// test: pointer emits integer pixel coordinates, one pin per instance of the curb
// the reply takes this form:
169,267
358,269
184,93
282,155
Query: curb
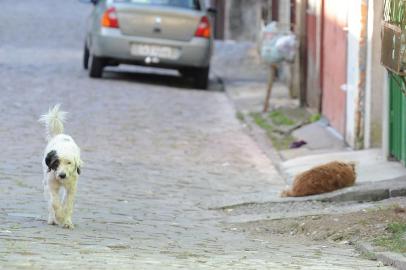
259,136
364,192
387,258
368,191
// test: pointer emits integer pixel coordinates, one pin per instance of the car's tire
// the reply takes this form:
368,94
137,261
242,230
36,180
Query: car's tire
96,66
201,77
85,57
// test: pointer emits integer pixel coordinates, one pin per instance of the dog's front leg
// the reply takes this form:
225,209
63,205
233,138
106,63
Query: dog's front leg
68,205
56,214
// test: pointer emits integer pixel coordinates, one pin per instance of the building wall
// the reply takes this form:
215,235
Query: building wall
353,75
377,77
284,15
244,20
333,62
357,73
299,66
365,83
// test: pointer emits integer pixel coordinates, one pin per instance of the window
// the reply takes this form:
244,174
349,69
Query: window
189,4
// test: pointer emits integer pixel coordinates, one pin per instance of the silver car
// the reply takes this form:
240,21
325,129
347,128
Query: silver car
173,34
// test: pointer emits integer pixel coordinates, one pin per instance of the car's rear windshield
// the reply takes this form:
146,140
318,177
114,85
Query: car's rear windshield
189,4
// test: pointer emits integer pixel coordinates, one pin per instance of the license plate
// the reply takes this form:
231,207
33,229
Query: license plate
155,51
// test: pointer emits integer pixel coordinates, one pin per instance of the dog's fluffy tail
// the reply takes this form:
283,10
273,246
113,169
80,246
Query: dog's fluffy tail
53,121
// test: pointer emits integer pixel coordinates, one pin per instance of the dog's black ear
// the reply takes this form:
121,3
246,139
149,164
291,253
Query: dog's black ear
79,164
52,160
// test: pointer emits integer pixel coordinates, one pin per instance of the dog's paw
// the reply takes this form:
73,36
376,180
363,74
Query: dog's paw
69,226
52,222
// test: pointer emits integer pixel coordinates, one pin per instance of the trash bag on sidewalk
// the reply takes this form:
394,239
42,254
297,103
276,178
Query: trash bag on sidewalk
277,46
286,47
270,30
269,52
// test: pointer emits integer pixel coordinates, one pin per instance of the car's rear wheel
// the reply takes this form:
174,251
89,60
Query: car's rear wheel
96,66
85,57
201,77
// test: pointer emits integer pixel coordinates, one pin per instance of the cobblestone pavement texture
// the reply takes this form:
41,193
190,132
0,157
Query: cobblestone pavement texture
155,157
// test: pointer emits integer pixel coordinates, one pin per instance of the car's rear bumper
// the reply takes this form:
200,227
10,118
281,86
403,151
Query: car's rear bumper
110,43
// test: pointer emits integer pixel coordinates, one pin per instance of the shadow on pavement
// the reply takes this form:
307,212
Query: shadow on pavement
169,78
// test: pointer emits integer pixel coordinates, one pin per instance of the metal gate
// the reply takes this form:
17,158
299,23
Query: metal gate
393,58
397,126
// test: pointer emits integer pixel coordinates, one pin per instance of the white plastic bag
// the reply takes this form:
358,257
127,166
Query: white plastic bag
269,53
286,46
277,46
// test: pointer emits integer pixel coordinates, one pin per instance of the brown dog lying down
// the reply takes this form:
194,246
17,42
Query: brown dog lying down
324,178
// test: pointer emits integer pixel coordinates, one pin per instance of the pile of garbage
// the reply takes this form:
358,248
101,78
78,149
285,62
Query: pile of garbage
277,46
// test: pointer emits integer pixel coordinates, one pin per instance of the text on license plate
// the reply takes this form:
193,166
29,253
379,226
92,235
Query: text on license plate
155,50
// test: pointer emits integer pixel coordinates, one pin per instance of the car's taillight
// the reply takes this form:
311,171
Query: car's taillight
203,29
109,18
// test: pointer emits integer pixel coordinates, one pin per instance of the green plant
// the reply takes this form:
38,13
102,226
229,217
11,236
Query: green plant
397,228
394,12
396,240
368,255
260,121
279,141
240,116
279,118
314,118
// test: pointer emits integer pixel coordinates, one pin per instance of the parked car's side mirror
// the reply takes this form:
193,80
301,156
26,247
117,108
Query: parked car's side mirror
94,2
212,10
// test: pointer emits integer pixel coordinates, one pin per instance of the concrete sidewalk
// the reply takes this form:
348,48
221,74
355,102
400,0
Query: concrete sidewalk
245,79
371,165
377,178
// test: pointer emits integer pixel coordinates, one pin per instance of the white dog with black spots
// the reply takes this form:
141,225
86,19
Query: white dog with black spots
62,166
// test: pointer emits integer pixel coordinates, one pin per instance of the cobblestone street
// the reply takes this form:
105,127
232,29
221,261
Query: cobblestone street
156,158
